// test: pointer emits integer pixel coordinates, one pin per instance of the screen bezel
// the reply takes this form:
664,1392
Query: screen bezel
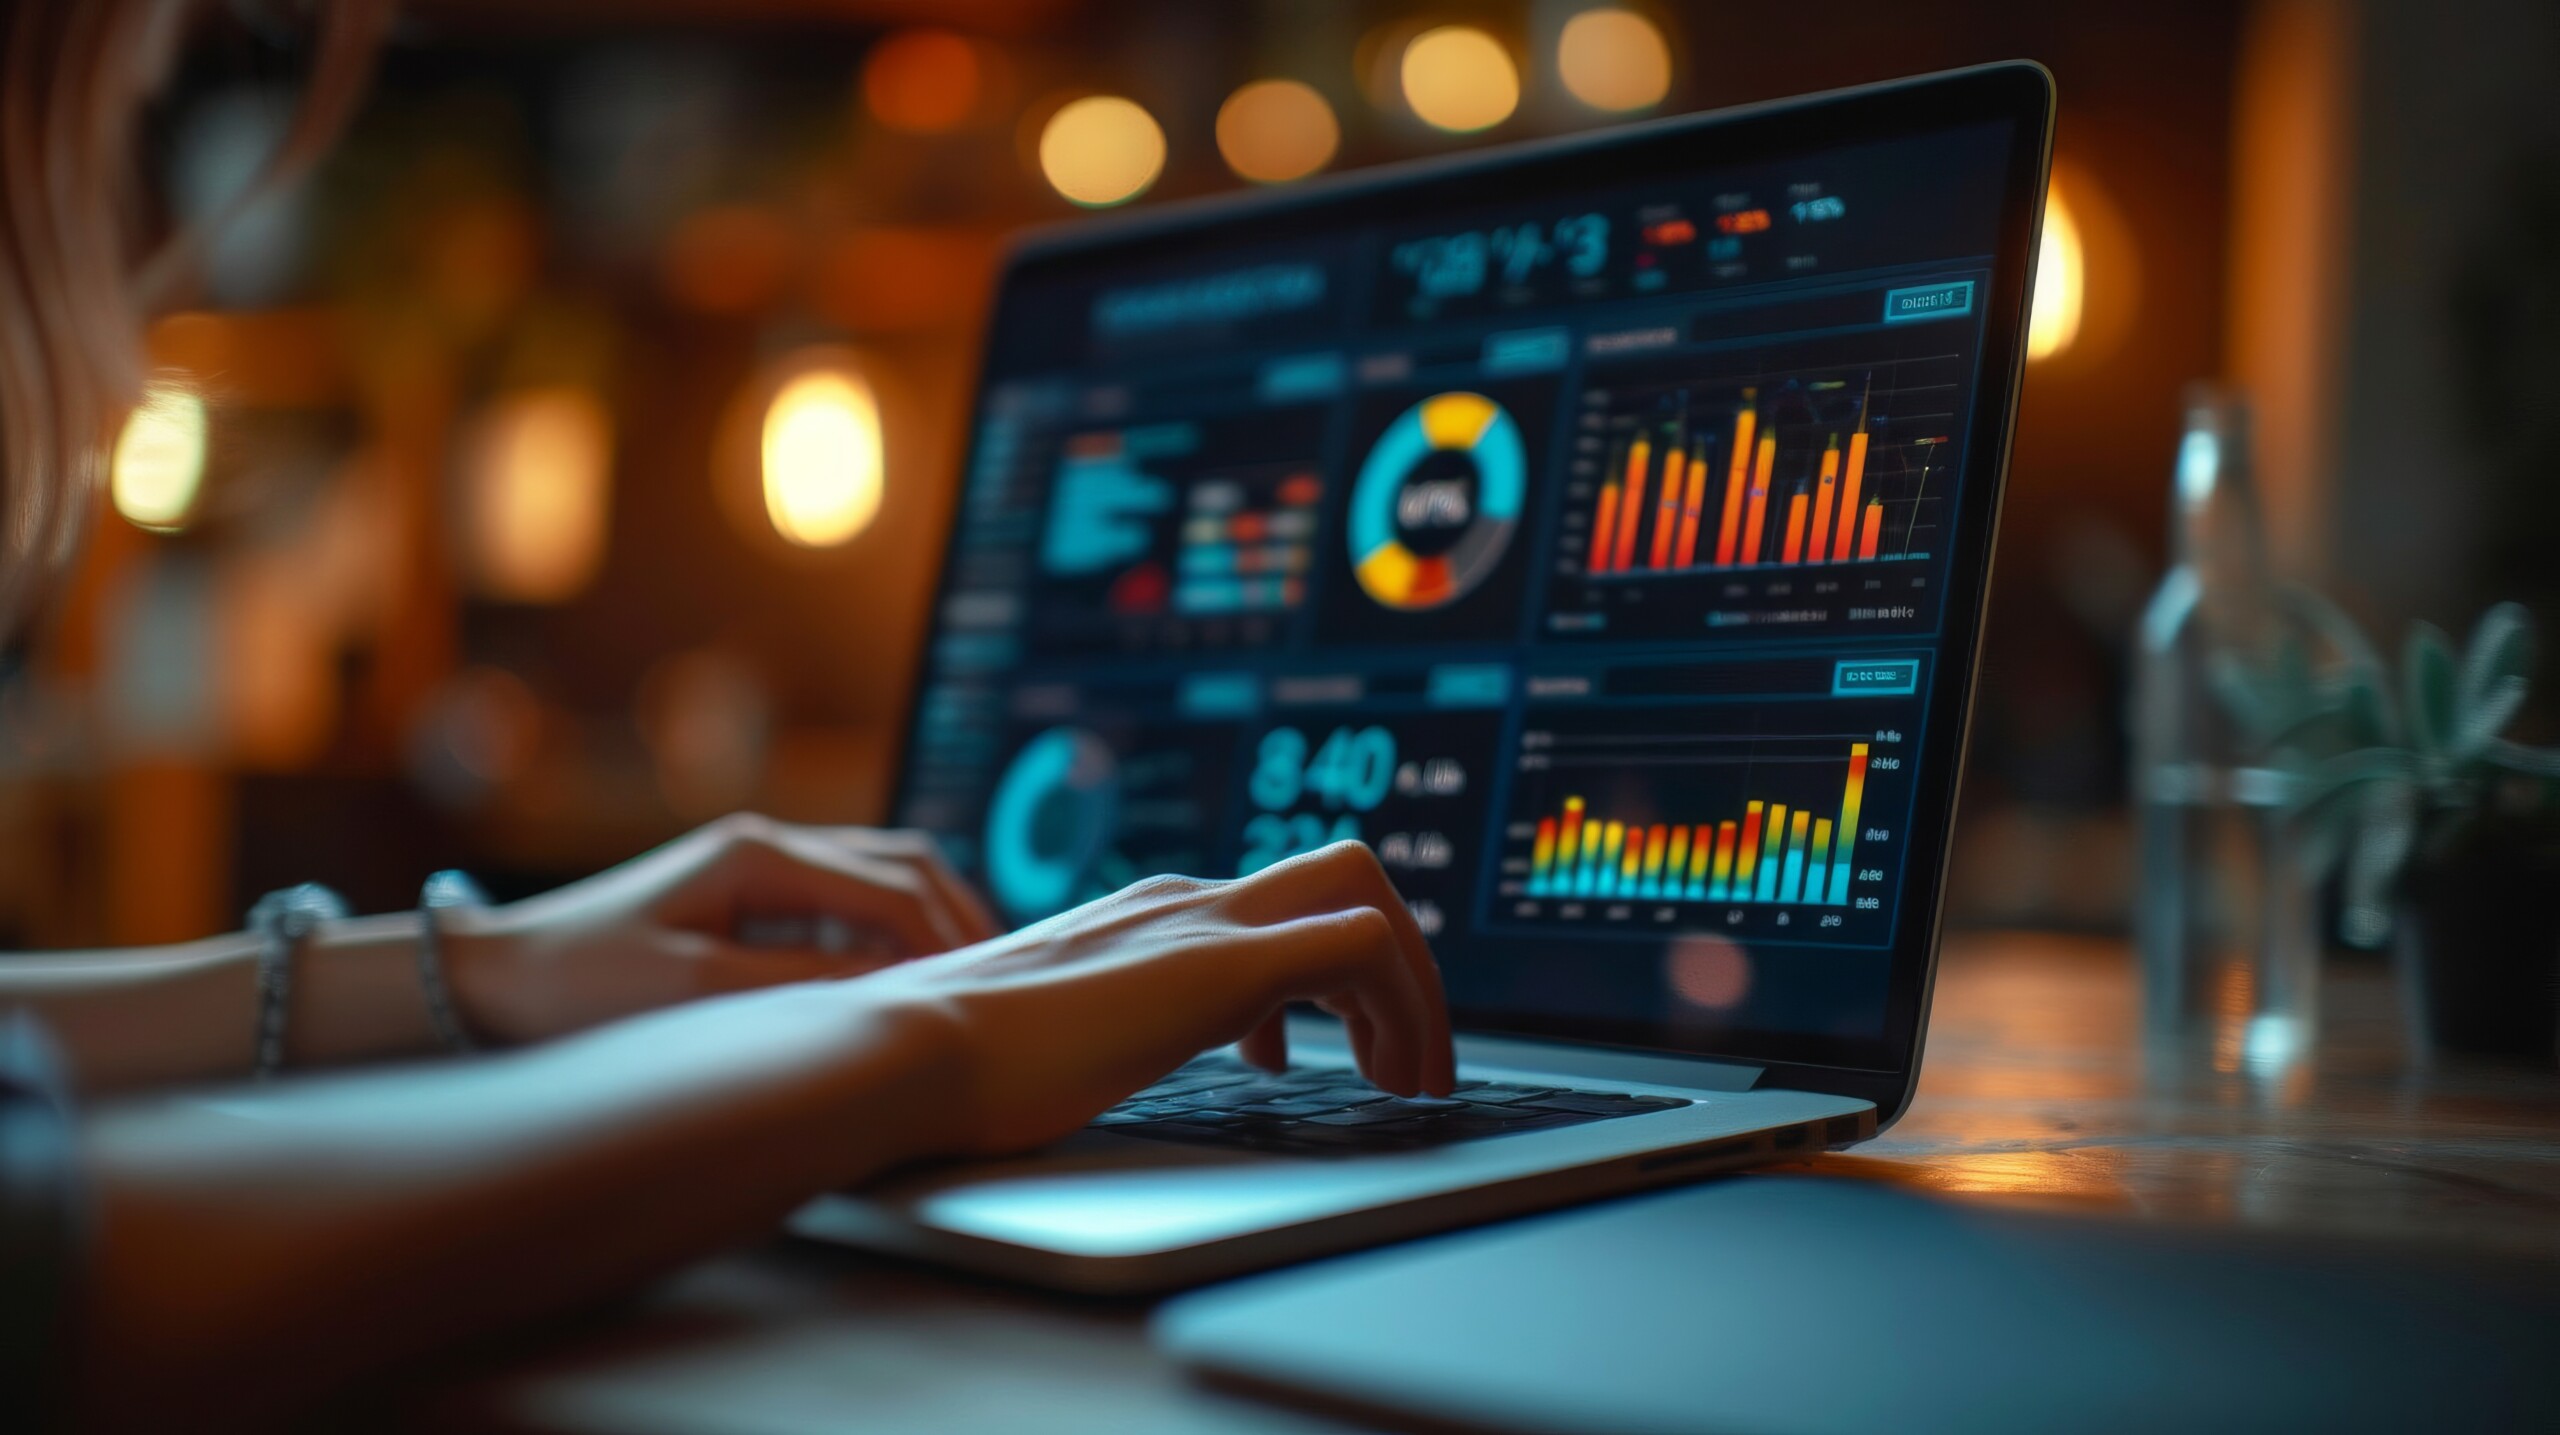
2020,92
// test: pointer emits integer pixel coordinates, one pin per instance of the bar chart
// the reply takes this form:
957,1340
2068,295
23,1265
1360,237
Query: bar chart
1798,471
1757,819
1651,515
1768,853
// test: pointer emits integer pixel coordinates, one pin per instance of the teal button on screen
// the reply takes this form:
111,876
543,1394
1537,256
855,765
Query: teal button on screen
1928,301
1871,678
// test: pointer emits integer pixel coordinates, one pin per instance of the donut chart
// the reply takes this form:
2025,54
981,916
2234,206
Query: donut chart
1387,501
1051,822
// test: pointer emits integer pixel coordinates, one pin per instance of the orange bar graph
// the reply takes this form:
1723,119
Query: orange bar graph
1871,530
1723,871
1631,505
1666,508
1604,525
1673,859
1850,482
1543,851
1793,552
1747,856
1569,842
1818,543
1656,840
1693,506
1756,510
1729,531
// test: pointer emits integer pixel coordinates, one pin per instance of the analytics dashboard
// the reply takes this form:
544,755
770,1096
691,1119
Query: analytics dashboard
1585,554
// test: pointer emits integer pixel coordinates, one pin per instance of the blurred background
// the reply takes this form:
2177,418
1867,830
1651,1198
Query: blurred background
562,464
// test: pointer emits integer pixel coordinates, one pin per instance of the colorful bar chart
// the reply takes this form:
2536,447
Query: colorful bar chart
1768,854
1802,471
1651,509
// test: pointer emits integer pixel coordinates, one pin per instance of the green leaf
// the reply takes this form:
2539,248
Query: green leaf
2365,710
2292,677
2355,652
2495,672
2428,674
2355,769
2516,757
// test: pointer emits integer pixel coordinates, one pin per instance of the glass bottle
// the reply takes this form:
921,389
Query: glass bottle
2224,918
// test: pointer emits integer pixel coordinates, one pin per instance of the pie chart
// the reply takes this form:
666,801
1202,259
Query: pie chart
1051,822
1436,501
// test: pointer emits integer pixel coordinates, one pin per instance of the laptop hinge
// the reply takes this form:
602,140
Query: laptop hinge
1566,1057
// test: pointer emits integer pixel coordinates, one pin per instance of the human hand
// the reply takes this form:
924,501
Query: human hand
1060,1020
665,926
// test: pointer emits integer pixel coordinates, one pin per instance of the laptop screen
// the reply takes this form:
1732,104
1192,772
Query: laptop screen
1597,533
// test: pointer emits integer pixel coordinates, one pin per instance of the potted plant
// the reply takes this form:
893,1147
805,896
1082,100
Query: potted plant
2439,828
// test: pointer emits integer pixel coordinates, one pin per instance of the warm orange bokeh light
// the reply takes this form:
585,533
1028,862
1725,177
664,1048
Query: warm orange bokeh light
159,459
537,472
2053,316
1459,78
822,457
1613,59
1272,131
1101,150
923,81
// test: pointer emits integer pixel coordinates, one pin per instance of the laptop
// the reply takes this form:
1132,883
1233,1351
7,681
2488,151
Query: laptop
1598,529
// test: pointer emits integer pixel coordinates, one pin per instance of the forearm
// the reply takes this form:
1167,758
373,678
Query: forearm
162,1015
256,1250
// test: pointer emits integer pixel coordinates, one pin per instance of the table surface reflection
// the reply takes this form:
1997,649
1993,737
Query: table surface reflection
2033,1091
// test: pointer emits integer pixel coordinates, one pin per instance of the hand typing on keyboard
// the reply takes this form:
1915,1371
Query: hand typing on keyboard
1058,1020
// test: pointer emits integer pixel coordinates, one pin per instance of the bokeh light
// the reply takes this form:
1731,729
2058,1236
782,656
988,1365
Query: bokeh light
537,473
1273,131
158,465
1613,59
1101,150
1458,78
923,81
2054,315
822,457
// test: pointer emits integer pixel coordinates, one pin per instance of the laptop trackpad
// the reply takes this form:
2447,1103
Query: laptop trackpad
1806,1305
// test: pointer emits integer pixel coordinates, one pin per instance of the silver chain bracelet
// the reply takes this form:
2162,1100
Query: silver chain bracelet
443,890
282,921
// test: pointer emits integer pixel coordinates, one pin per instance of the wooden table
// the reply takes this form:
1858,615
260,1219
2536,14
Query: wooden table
2034,1090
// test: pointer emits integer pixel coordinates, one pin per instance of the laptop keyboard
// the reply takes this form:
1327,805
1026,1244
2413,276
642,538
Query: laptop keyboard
1221,1101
